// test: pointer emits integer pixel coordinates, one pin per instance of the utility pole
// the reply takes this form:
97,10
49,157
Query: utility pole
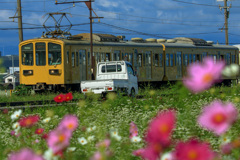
20,30
89,5
226,16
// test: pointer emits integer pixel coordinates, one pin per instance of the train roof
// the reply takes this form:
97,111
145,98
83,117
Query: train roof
111,40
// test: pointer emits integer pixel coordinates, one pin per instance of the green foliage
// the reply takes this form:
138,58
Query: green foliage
22,90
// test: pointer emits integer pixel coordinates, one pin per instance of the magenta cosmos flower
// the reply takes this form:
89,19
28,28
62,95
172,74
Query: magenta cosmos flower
193,150
151,152
69,122
218,117
58,139
25,154
160,129
202,76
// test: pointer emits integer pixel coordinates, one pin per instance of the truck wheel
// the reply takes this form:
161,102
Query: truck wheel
132,94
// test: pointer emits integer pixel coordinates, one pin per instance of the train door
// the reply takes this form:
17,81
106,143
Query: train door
179,64
148,65
82,65
108,57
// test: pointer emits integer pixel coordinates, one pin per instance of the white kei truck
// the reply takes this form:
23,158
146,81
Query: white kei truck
112,76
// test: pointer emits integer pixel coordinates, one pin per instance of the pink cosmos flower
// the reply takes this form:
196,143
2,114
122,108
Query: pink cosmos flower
28,121
58,139
104,144
97,156
160,129
193,150
151,152
69,122
203,76
25,154
133,130
218,117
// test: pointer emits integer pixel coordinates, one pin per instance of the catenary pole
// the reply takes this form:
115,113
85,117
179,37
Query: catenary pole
20,30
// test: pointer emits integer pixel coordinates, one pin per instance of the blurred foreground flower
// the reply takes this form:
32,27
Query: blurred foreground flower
70,122
218,117
231,70
29,121
202,76
25,154
133,130
193,150
16,114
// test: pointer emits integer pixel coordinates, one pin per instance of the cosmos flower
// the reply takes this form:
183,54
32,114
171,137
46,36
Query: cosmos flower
58,139
231,70
29,121
193,150
135,139
91,138
151,152
49,155
68,97
69,122
16,114
25,154
59,98
105,144
46,120
71,149
16,126
82,141
218,117
167,156
90,129
97,156
133,130
39,130
114,134
202,76
160,128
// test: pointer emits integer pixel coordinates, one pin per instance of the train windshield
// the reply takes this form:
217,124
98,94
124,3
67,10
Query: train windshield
40,54
54,54
27,54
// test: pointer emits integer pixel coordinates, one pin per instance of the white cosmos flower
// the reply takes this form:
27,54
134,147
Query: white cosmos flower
16,125
167,156
46,120
90,129
16,114
48,155
135,139
91,138
232,70
71,149
82,140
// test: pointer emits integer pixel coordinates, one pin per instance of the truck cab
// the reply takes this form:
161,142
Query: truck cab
112,76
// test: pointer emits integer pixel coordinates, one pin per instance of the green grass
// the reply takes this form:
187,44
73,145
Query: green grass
117,112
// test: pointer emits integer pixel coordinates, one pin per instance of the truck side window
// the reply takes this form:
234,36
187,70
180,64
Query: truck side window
129,69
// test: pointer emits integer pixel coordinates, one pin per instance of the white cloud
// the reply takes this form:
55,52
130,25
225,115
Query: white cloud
108,3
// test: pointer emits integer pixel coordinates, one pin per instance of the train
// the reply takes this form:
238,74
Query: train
52,63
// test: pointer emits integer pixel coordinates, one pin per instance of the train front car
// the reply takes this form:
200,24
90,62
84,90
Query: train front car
41,64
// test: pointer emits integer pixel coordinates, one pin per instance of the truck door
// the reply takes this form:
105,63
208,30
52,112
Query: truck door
132,78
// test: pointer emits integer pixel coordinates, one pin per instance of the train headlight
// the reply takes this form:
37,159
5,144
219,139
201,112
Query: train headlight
55,71
27,72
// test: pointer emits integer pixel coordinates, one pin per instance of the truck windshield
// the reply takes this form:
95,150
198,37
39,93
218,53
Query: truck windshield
111,68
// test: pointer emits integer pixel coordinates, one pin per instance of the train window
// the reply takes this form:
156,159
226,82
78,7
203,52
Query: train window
228,58
198,58
204,54
77,60
185,59
155,60
144,57
139,60
82,58
233,59
67,57
171,60
54,54
97,57
116,56
111,68
27,54
160,59
148,58
131,58
102,57
73,59
167,60
89,58
190,58
214,59
108,57
125,57
40,54
193,58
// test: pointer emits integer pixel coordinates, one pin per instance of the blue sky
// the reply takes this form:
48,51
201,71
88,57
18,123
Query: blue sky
132,18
